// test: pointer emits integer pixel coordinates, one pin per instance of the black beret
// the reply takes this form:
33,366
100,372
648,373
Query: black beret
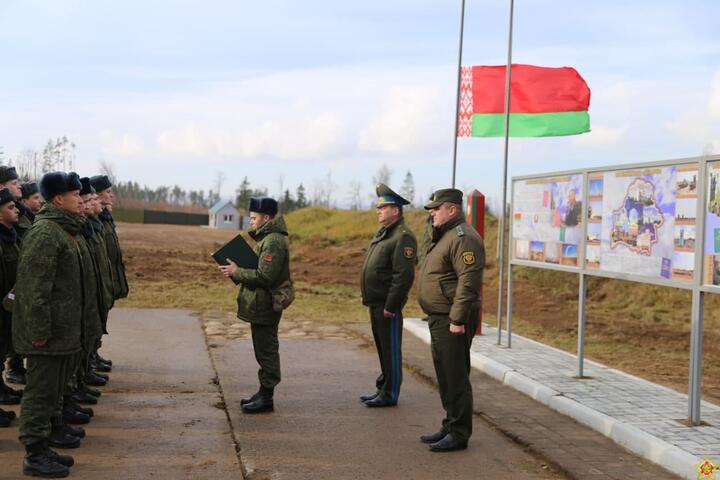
56,183
265,205
7,174
87,188
100,182
29,189
6,196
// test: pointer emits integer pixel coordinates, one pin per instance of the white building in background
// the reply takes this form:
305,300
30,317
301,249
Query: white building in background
224,215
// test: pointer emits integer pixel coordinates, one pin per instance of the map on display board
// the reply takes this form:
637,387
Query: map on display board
642,222
547,219
712,225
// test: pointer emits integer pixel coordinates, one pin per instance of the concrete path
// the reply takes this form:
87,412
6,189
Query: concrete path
320,430
639,415
158,416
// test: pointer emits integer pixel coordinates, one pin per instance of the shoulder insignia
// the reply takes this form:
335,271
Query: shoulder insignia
409,252
268,258
459,231
468,258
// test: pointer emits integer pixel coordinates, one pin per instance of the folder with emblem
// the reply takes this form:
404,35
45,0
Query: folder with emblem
239,252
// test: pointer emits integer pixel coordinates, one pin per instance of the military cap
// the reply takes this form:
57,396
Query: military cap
56,183
7,174
6,196
445,195
386,196
29,189
265,205
87,188
100,182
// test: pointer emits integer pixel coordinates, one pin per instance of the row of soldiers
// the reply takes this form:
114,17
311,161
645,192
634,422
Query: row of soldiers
61,270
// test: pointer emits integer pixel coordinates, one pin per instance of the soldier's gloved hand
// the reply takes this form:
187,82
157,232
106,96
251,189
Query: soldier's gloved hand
388,314
457,329
39,343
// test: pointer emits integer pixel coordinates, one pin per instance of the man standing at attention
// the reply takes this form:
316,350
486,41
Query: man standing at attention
449,293
387,275
47,317
255,301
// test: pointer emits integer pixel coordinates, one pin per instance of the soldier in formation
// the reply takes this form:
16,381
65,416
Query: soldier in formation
60,274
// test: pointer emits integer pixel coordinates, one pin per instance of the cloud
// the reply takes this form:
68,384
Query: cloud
702,124
601,136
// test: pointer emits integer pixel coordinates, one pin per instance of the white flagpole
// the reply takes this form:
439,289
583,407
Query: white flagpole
457,99
503,206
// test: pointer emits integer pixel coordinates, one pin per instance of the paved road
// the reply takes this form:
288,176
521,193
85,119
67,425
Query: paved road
163,417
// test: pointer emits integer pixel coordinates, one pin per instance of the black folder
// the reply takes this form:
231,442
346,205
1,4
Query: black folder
239,252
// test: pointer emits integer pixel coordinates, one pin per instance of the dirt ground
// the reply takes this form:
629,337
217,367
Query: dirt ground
170,266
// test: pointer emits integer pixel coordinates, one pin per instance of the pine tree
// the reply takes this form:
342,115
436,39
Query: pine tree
408,188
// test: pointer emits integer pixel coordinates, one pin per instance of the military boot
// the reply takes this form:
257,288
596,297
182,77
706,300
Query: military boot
5,421
16,371
263,403
9,396
64,428
74,417
39,462
70,404
101,375
103,360
101,367
83,397
254,397
59,438
9,414
93,380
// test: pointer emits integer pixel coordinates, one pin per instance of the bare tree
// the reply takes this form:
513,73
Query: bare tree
408,188
219,180
383,175
26,162
107,168
356,202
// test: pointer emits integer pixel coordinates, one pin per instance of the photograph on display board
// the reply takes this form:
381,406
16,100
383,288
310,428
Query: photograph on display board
595,187
683,265
569,255
686,211
547,211
686,182
639,234
684,239
594,231
553,252
712,225
522,250
592,256
595,211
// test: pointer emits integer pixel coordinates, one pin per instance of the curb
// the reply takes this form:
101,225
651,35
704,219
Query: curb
658,451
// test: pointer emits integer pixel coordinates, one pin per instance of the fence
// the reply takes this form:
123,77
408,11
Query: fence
154,216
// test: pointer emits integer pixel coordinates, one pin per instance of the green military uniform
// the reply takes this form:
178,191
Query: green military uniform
255,299
25,219
48,306
99,250
449,293
120,284
387,275
425,241
9,256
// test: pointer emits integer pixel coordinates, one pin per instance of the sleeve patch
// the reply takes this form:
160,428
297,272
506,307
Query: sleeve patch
268,258
409,252
468,258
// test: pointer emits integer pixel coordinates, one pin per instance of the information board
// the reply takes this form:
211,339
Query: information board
712,225
547,219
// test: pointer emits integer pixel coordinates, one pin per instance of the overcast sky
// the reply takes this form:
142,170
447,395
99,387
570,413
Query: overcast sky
173,92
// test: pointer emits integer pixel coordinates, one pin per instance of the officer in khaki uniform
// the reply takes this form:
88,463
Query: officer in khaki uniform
387,275
449,293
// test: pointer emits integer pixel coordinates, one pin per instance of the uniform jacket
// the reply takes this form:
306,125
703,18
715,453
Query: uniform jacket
98,248
49,287
120,284
254,301
451,275
92,295
9,256
389,268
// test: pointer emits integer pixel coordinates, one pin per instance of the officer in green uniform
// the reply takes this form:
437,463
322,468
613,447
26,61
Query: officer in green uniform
258,301
47,317
9,255
9,179
449,293
387,275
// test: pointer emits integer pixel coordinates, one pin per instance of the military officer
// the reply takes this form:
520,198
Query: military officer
9,255
47,318
449,293
387,275
256,304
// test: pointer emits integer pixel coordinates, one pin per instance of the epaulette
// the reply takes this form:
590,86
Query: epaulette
459,231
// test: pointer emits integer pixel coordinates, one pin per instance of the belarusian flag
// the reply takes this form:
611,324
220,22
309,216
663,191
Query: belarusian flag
544,102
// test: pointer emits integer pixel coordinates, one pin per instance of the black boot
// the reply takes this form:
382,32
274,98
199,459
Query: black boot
92,391
101,375
9,396
101,367
365,398
60,438
263,403
83,397
4,421
103,360
66,460
16,371
39,462
75,418
93,380
254,397
70,404
73,430
7,414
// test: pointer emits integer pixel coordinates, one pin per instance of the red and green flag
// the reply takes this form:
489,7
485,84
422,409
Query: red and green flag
544,102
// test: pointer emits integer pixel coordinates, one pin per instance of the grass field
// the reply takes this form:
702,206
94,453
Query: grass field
641,329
